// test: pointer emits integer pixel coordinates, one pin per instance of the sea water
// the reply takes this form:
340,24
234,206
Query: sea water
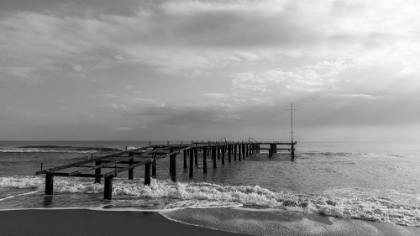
316,194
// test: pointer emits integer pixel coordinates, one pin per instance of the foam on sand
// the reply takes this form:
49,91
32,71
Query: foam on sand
279,223
179,195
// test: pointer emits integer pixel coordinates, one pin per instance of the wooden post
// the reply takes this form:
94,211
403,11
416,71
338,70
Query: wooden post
130,171
191,163
204,160
273,150
173,167
275,147
147,177
293,151
239,152
196,156
108,188
49,184
234,152
214,157
170,161
245,151
229,152
218,152
223,154
97,172
185,159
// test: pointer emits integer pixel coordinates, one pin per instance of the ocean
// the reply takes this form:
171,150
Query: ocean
331,188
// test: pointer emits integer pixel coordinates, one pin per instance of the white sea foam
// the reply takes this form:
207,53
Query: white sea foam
22,194
21,182
279,223
42,150
207,195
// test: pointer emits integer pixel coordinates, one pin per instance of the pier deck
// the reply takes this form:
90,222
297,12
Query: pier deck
109,166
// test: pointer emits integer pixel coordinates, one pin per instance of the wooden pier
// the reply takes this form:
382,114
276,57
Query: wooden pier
149,156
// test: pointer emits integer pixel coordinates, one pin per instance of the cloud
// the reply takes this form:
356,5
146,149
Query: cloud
191,37
130,87
107,95
276,83
113,108
78,68
216,95
123,129
365,96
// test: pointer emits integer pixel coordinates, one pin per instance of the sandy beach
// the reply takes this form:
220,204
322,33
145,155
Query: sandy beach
92,223
69,222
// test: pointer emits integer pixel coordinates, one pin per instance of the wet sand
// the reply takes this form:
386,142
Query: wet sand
95,223
78,222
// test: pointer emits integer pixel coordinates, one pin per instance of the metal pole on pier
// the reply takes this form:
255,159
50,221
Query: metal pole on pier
291,110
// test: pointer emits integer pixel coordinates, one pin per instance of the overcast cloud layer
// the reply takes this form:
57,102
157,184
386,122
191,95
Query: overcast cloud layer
184,70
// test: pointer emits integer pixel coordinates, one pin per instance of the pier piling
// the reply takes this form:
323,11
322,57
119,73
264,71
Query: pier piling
115,163
196,156
131,171
49,184
204,160
108,188
97,173
214,157
191,175
173,167
222,149
185,160
147,175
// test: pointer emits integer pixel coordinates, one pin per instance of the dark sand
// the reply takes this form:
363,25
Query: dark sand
95,223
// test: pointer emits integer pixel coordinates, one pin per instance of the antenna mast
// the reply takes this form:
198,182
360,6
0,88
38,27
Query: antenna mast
291,121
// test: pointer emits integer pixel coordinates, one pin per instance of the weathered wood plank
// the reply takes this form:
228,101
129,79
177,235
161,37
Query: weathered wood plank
84,162
112,173
98,166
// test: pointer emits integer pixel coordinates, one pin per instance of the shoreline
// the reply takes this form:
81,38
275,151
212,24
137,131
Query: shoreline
69,222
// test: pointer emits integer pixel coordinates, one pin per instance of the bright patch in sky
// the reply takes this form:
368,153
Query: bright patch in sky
204,70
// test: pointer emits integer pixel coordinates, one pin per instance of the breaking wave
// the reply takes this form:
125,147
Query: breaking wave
345,154
206,195
58,149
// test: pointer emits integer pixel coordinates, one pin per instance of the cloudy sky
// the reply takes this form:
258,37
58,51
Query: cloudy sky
204,70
